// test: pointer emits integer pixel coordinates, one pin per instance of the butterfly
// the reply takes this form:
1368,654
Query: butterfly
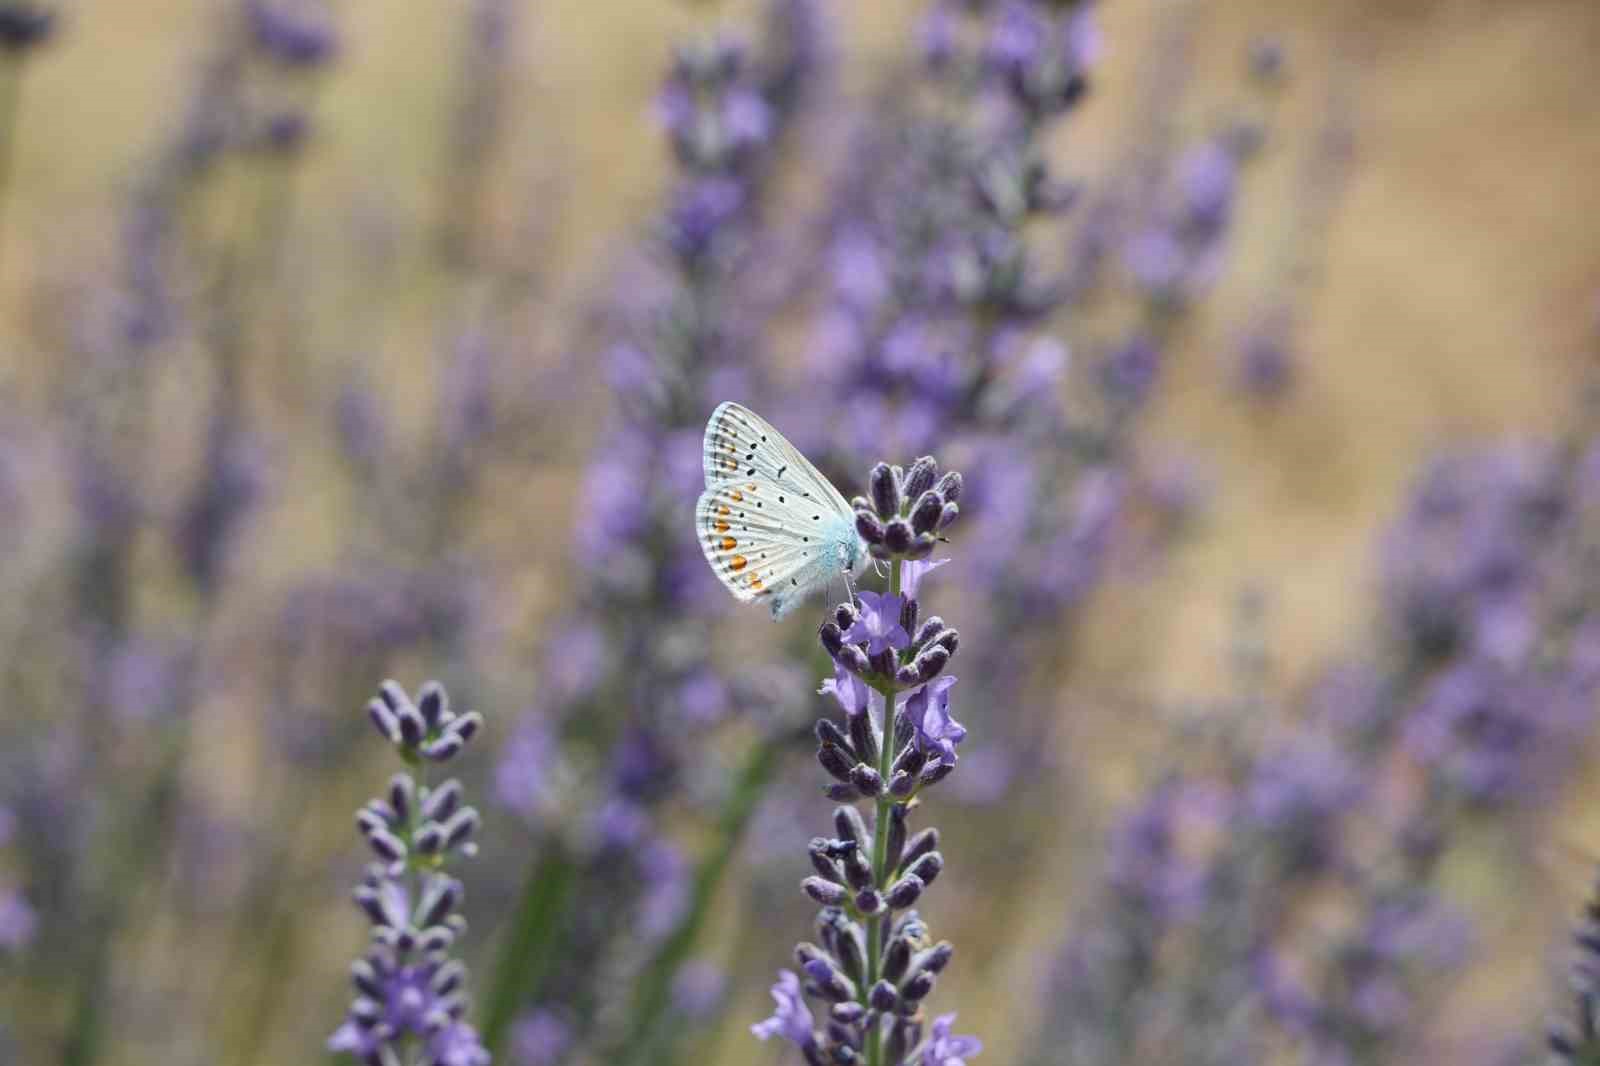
771,526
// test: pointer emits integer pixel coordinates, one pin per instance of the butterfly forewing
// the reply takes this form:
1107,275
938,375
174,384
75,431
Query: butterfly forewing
741,444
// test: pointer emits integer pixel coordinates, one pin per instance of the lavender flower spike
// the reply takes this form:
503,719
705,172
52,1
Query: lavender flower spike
873,963
410,1003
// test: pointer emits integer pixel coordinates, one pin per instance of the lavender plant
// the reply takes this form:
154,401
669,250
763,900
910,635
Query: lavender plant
686,334
410,1004
1575,1039
874,962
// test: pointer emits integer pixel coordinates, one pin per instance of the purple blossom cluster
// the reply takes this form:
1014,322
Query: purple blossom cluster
874,961
410,1003
1486,687
625,713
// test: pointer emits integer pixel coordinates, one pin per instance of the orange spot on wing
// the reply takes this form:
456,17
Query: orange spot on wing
755,583
738,562
738,497
722,509
721,526
728,543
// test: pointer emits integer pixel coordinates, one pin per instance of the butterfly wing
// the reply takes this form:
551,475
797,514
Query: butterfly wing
771,526
740,444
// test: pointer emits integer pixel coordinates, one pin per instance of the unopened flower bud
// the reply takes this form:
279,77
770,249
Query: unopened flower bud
825,892
869,527
897,536
949,486
905,892
921,476
925,515
885,490
867,780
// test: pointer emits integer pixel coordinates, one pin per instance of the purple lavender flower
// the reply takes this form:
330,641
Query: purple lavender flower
847,688
409,991
791,1018
879,623
872,963
928,709
946,1050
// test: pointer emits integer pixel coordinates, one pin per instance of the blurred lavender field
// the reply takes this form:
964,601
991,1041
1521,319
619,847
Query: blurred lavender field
341,347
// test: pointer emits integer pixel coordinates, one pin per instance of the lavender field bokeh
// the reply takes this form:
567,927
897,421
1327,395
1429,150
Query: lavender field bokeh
341,347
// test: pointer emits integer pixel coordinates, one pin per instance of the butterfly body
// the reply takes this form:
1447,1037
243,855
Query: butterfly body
771,525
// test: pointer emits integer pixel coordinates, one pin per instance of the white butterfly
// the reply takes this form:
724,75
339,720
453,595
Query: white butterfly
771,525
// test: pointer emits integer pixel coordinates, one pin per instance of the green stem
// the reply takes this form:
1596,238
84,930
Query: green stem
880,846
530,946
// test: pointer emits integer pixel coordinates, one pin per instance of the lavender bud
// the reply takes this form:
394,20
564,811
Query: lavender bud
936,958
365,978
393,695
366,1012
930,663
860,503
412,727
908,614
843,1051
857,871
430,839
911,761
460,827
370,821
439,898
883,996
895,846
931,627
436,938
831,637
907,675
829,981
869,902
949,486
884,663
828,733
902,784
834,760
869,527
367,899
433,704
465,726
922,842
442,802
854,660
825,892
949,640
851,826
948,516
402,796
905,892
867,780
925,515
897,959
841,793
916,987
444,749
928,867
848,949
448,978
937,772
920,477
826,867
385,721
863,739
885,490
904,1034
845,615
386,845
847,1013
897,536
